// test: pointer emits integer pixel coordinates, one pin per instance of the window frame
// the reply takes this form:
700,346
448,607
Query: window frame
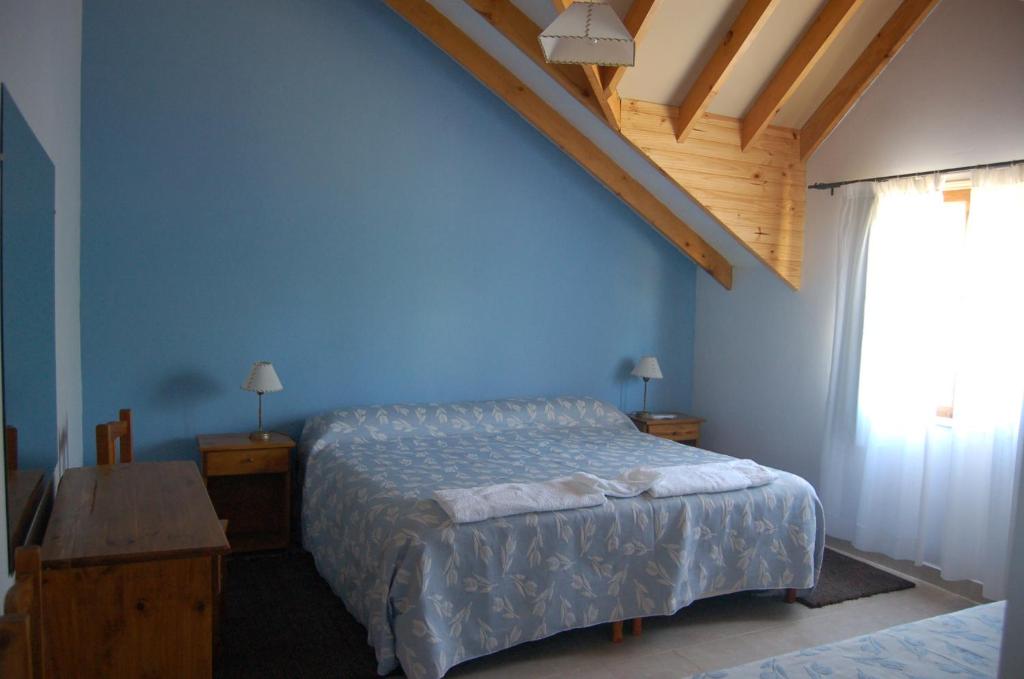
956,193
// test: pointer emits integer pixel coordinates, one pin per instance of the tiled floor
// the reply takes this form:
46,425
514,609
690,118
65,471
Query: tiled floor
709,635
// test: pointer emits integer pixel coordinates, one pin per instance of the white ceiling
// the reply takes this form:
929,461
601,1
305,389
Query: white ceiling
684,33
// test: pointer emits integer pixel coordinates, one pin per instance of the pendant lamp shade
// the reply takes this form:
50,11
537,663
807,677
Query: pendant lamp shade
588,32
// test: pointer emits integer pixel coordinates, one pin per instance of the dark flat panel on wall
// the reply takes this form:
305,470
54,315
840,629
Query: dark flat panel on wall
29,365
27,295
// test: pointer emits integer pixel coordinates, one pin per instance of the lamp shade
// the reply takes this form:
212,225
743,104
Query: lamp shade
263,378
588,32
648,368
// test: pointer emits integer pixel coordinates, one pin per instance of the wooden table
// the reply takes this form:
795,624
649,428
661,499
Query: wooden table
129,562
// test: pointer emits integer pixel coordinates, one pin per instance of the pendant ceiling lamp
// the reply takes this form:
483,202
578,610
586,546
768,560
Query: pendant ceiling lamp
588,32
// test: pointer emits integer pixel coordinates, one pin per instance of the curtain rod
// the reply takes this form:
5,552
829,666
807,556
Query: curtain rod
834,185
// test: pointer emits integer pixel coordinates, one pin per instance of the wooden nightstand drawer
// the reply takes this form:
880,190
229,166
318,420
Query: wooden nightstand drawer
232,462
681,427
682,432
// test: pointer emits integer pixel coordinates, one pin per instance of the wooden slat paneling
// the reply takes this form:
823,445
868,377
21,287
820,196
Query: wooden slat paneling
449,38
759,195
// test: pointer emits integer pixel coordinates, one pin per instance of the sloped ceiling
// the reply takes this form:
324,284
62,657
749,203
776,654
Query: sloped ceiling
684,33
727,100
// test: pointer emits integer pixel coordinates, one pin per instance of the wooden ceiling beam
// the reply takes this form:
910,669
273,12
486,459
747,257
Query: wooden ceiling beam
736,188
492,74
819,35
744,29
637,22
879,52
520,30
610,106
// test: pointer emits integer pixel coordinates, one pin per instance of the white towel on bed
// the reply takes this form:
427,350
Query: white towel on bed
690,479
466,505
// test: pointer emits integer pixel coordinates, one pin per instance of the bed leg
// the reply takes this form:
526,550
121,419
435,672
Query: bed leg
638,626
617,632
790,595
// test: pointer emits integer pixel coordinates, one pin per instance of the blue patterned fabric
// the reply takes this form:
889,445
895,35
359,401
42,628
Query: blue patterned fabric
432,593
961,644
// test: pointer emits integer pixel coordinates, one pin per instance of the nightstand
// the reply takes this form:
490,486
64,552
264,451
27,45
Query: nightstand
249,483
681,427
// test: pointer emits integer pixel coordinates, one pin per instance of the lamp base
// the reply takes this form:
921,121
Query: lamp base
259,436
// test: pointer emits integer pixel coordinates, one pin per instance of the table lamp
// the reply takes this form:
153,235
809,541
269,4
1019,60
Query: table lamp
647,368
262,379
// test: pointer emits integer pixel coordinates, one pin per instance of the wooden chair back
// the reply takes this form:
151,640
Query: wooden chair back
11,448
108,437
21,626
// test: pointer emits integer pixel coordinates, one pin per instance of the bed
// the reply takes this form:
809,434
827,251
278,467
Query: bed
433,594
965,643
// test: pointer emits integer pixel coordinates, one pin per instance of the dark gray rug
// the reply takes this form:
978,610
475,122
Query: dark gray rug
281,619
844,578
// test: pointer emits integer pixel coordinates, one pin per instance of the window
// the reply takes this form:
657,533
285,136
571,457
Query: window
957,207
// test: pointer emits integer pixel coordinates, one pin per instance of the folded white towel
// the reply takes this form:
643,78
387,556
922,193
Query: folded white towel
466,505
621,487
690,479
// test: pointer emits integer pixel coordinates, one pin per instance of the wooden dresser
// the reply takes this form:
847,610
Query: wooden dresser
129,573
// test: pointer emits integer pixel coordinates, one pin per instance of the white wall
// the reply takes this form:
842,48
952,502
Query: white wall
953,96
41,64
762,353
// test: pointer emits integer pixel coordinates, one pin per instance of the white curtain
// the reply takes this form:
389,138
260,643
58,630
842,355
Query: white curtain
841,464
941,325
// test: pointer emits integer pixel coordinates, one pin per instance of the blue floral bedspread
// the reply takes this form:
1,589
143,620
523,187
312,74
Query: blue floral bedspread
432,593
961,644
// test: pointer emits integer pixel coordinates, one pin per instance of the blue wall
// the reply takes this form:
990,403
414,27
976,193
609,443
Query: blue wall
313,183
